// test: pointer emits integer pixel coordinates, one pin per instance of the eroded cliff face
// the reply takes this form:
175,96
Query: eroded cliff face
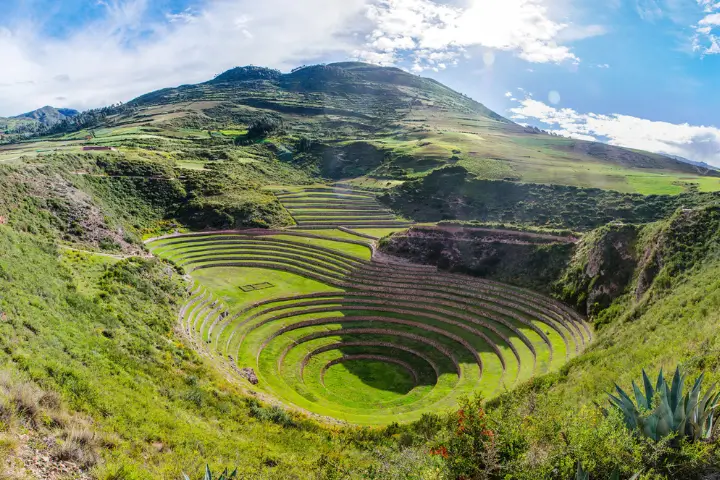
520,258
601,269
637,262
640,261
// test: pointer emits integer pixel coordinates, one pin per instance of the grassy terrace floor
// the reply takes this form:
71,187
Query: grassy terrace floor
322,207
330,331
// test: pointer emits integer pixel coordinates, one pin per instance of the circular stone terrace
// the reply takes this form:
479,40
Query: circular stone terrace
328,328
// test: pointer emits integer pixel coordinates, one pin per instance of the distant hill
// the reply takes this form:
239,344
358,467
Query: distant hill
48,115
692,162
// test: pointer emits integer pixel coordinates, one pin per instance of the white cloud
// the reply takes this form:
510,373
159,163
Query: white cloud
701,143
508,94
706,39
125,54
710,20
421,28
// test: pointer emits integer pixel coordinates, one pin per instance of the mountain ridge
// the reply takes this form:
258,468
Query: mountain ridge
407,98
353,119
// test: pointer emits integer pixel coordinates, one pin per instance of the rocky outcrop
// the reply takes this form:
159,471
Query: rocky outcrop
249,374
678,245
602,268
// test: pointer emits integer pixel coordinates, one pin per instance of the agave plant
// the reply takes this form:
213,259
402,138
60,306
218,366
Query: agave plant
664,410
581,473
209,476
615,475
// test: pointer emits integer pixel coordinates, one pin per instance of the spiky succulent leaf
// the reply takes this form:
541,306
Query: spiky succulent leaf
648,426
649,390
664,425
660,381
676,390
679,414
640,397
581,474
630,413
624,396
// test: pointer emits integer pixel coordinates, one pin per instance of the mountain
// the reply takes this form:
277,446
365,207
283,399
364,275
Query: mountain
352,119
48,115
403,126
35,122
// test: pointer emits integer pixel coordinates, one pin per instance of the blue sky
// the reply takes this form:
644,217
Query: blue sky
638,73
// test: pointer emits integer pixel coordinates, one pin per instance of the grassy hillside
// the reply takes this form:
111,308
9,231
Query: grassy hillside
453,194
100,332
352,119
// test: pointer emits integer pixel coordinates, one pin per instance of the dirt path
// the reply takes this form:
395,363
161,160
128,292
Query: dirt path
103,175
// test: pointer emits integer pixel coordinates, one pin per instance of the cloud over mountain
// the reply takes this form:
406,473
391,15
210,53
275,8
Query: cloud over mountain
696,142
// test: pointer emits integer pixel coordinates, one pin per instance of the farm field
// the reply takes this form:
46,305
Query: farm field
327,330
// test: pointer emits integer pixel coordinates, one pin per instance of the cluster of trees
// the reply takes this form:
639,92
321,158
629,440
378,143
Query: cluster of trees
87,119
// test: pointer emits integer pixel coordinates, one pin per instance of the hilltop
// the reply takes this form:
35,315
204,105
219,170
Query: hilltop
48,115
31,123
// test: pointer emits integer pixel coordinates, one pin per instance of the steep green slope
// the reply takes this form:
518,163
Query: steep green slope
100,332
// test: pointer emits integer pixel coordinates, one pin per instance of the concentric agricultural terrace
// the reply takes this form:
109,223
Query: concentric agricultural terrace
329,330
332,206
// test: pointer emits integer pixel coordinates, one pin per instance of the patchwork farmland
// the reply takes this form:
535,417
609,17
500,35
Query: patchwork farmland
334,332
333,206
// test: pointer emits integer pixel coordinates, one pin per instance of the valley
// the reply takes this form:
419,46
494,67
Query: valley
345,271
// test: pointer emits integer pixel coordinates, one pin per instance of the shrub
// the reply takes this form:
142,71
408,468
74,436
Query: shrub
272,414
469,446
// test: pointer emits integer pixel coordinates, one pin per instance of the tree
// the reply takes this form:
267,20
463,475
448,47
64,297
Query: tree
263,126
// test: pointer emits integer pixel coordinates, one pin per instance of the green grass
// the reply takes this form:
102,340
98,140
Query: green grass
335,233
317,207
234,133
363,382
191,164
225,283
378,232
358,251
